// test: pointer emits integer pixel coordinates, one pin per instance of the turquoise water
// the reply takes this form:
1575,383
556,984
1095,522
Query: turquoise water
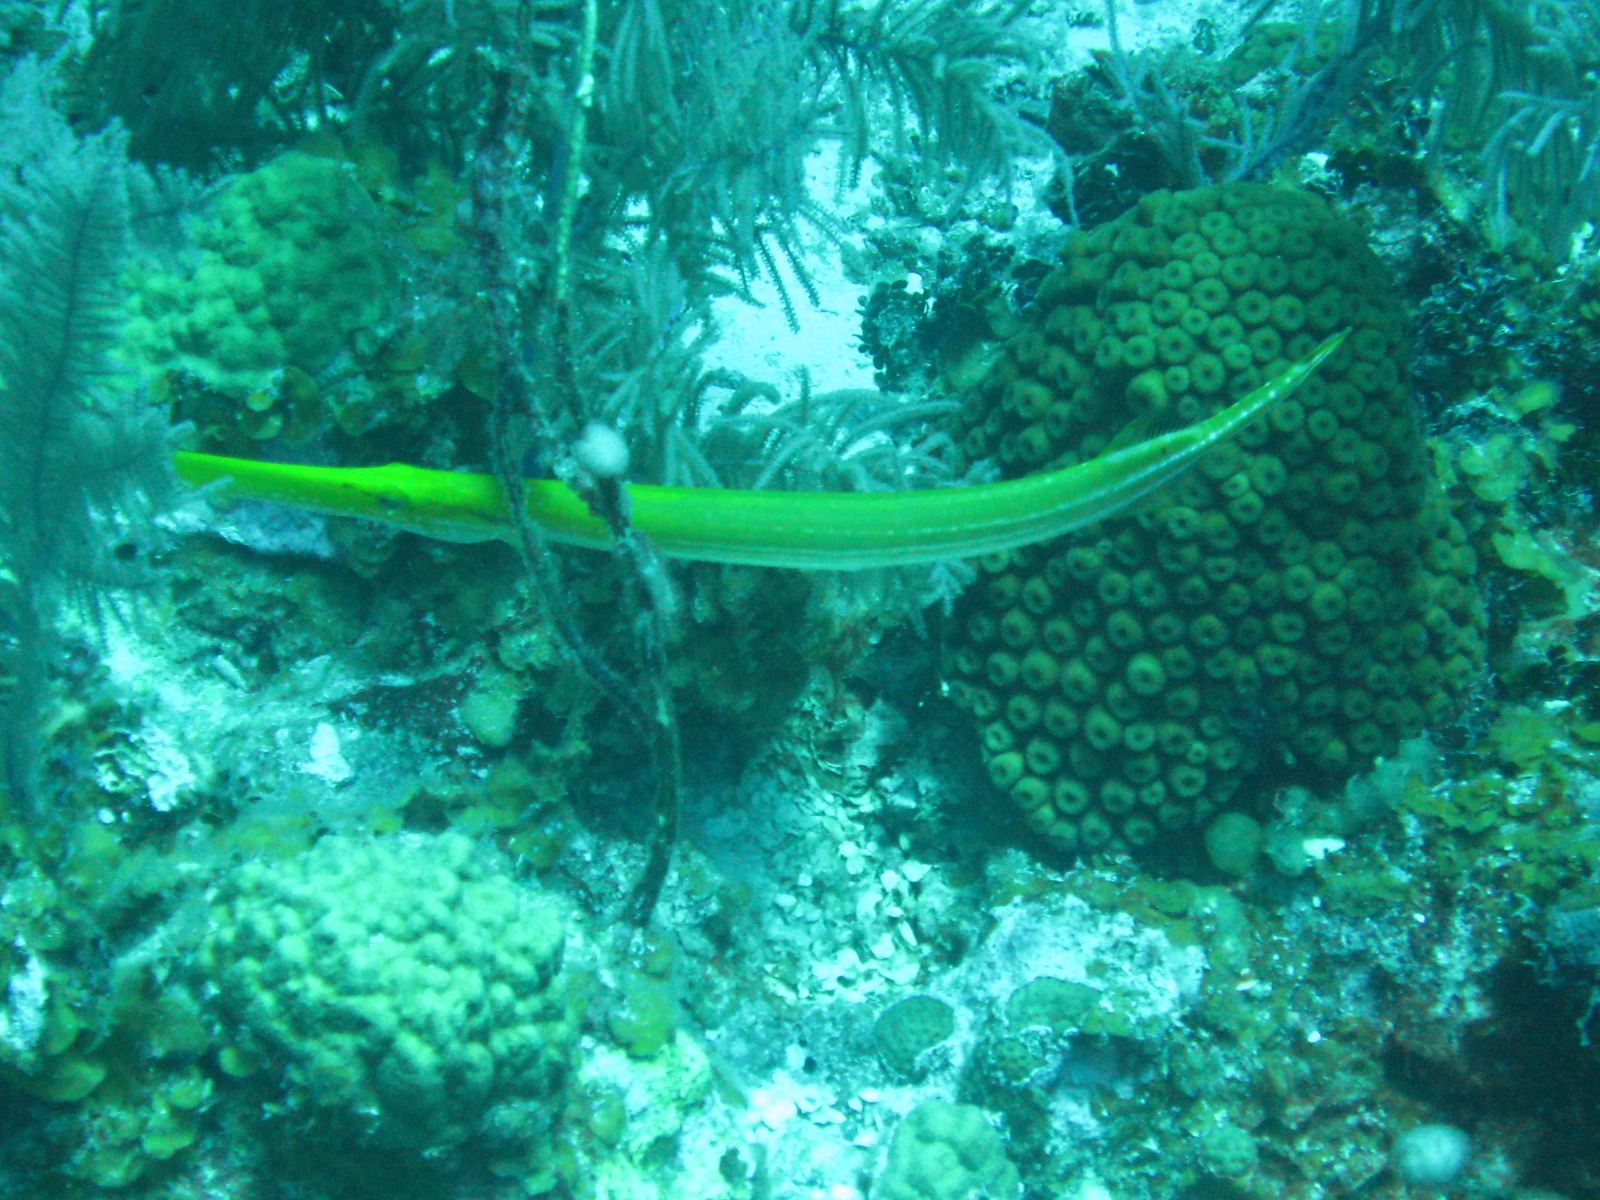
1240,844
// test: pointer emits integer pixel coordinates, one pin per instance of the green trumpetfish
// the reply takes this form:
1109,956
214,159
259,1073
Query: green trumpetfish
806,530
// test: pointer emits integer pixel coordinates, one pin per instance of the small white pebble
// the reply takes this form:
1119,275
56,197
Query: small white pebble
904,973
327,758
915,872
830,971
776,1111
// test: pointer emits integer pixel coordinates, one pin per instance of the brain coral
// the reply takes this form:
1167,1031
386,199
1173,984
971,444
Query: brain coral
1303,597
406,985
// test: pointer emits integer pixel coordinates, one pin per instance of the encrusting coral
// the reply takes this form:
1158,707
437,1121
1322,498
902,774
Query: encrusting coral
1304,596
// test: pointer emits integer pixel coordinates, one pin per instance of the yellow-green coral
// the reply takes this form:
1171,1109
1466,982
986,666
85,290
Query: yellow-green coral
291,268
288,317
405,1014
